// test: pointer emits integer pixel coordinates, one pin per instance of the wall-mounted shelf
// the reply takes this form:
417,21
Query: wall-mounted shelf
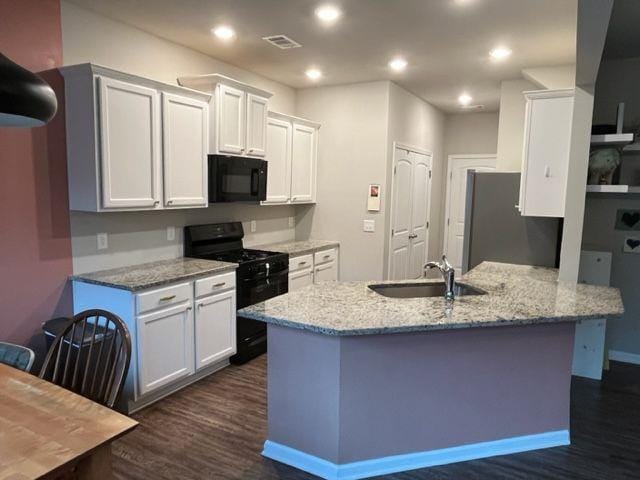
612,189
612,139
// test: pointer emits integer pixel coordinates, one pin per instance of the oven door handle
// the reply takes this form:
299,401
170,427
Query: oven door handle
272,276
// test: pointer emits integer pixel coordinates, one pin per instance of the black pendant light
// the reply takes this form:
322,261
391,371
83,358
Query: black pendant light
26,100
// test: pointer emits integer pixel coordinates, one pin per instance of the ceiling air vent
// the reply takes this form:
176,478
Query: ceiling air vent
282,42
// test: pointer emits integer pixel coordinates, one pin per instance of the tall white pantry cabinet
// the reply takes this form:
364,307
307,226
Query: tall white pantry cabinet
134,143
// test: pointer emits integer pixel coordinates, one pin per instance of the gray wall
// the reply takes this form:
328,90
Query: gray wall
137,237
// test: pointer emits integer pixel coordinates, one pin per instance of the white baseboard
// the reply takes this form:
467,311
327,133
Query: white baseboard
625,357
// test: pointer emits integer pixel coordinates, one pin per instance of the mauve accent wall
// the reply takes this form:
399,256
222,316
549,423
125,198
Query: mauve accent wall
35,246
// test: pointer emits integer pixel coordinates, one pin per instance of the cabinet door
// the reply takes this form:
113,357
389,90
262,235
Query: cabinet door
165,347
130,146
300,279
231,120
215,328
185,146
327,272
546,155
303,163
256,145
279,161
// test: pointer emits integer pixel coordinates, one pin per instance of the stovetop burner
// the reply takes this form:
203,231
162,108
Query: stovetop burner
241,255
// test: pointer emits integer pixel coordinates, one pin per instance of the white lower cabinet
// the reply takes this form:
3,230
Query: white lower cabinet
165,347
309,269
300,279
215,331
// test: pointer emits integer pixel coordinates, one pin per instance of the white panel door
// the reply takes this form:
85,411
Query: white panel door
165,347
401,214
300,279
456,201
327,272
130,145
279,160
256,144
185,145
215,328
421,164
231,120
303,161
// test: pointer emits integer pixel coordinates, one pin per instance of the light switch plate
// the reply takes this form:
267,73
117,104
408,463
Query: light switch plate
103,241
171,234
369,226
254,226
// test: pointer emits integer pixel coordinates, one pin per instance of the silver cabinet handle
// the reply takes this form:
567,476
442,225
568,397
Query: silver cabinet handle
156,203
169,202
327,256
189,309
302,263
166,299
413,235
219,285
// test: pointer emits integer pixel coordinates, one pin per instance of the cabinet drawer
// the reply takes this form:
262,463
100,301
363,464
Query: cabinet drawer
216,284
163,297
304,261
325,256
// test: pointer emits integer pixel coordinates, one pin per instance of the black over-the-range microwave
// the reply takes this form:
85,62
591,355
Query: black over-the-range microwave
237,179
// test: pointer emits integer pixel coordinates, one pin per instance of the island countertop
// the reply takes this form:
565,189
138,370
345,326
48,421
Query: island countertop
154,274
516,295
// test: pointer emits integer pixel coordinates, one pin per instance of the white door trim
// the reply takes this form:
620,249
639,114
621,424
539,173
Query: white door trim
421,151
450,160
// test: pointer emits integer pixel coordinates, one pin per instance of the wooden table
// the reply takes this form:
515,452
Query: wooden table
47,431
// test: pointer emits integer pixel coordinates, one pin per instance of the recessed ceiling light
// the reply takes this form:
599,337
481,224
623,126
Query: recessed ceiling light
398,64
224,32
465,99
500,53
313,73
328,13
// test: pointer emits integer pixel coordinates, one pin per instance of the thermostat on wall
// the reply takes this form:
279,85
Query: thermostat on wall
373,198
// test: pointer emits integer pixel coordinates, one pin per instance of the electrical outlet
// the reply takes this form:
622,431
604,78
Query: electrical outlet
292,222
171,234
254,226
369,226
103,241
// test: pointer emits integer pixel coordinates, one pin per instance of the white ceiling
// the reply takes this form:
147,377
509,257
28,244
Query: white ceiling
445,41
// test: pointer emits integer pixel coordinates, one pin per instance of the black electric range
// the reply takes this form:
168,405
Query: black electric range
260,275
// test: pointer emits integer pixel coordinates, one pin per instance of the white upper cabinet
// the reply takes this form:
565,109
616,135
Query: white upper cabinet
132,142
303,163
230,120
292,157
130,151
545,159
257,108
239,112
279,160
185,145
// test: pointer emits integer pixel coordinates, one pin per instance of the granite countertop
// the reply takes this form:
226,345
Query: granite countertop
516,295
296,248
154,274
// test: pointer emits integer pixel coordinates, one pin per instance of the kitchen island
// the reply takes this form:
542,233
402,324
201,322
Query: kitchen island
360,384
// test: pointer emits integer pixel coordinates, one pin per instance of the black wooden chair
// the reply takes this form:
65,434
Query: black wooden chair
90,356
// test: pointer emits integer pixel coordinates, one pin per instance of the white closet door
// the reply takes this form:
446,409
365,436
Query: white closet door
256,145
456,201
231,120
402,215
186,144
278,161
303,163
421,182
130,144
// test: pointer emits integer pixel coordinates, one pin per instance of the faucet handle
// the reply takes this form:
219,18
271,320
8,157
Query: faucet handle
446,264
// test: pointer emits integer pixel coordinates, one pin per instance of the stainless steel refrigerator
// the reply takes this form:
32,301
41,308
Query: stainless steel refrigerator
495,230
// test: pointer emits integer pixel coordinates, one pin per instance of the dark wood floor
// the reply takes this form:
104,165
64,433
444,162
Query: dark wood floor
215,429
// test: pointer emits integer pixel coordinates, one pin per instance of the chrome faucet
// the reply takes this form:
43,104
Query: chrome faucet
448,273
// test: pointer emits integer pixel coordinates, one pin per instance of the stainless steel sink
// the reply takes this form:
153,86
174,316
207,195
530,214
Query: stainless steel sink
417,290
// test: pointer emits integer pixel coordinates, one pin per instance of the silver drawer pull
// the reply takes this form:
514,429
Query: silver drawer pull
166,299
218,285
327,256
